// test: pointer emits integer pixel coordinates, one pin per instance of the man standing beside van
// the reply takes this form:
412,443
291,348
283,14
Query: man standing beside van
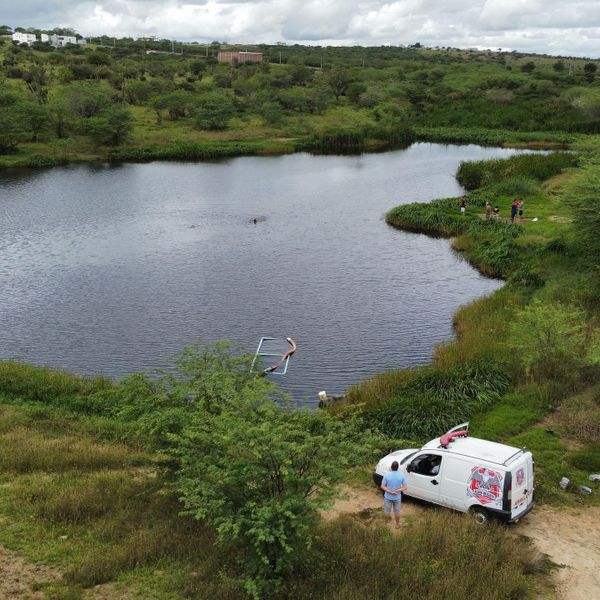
393,484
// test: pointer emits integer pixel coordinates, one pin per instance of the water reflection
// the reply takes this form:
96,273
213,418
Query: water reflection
112,270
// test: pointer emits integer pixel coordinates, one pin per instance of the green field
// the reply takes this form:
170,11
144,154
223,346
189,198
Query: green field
195,484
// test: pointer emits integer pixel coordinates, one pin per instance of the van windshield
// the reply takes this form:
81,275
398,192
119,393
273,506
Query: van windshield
408,456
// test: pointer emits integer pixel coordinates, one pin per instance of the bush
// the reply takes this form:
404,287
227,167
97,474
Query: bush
214,110
550,340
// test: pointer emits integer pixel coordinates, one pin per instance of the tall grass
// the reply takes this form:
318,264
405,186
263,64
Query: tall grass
477,174
435,400
186,151
495,137
442,556
45,385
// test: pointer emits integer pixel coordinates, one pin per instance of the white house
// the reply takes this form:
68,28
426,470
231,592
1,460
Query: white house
59,41
24,38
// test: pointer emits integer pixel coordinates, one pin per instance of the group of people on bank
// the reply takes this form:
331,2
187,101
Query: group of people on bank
517,208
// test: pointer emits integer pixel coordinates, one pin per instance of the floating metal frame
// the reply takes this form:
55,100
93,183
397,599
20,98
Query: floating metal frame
269,370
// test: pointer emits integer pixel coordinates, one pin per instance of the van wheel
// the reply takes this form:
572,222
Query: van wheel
480,515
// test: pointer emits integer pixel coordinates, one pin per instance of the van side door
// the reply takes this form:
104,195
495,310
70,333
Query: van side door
423,476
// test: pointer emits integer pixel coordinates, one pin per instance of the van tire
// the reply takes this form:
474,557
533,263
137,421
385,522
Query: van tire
480,515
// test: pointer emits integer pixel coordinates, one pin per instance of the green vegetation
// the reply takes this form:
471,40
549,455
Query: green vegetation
105,513
121,99
529,352
200,481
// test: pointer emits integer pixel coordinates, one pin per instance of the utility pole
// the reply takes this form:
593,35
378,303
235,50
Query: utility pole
280,57
172,47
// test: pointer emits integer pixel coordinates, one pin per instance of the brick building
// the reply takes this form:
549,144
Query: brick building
236,58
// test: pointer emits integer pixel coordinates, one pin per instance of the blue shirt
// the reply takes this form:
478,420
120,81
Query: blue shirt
393,480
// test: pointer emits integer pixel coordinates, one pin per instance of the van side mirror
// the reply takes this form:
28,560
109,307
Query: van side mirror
409,467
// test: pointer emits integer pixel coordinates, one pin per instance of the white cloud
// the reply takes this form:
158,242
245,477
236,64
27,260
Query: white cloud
548,26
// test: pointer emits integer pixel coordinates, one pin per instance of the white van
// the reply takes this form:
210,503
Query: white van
467,474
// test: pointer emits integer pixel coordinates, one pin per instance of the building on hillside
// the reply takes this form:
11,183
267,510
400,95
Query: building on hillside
236,58
59,41
24,38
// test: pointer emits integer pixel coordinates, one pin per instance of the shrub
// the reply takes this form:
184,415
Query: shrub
579,416
214,110
550,340
258,474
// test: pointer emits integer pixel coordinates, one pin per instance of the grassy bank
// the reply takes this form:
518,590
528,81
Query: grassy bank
527,355
102,513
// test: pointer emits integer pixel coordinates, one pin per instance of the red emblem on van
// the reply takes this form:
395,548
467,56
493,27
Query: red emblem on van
520,477
484,485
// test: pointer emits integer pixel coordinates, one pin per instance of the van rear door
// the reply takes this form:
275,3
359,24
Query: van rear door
522,477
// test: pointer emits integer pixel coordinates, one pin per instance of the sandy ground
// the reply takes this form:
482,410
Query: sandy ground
19,579
368,503
570,538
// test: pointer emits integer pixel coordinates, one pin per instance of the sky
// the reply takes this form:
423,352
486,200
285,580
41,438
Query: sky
558,27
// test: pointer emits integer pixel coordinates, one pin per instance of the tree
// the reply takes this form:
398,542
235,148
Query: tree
197,67
98,58
86,99
11,129
589,70
138,92
60,113
111,127
176,103
271,112
528,67
339,79
559,66
11,126
35,117
259,474
214,110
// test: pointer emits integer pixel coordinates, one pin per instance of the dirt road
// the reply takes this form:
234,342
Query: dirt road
570,538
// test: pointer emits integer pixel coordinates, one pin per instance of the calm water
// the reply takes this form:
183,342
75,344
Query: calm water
113,269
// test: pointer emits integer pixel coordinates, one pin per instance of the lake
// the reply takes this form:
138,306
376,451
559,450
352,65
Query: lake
112,269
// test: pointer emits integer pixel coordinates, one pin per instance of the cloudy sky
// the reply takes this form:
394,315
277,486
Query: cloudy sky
569,27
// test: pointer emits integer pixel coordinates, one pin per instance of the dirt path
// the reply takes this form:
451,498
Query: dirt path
570,538
367,502
19,579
